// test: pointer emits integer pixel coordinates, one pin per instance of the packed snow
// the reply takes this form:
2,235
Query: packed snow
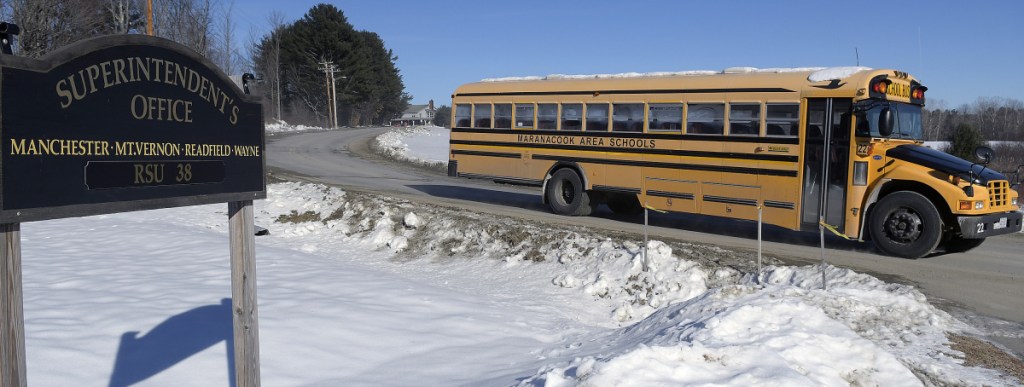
359,289
731,70
423,145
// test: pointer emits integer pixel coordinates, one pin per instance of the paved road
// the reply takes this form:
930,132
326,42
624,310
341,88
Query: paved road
988,280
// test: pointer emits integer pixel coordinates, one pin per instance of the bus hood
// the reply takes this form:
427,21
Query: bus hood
944,162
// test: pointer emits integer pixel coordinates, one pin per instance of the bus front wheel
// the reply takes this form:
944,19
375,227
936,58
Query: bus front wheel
905,224
565,194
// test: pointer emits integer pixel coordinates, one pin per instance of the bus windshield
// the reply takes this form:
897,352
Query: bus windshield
908,119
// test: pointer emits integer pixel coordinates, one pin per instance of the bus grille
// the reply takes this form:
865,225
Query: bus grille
998,193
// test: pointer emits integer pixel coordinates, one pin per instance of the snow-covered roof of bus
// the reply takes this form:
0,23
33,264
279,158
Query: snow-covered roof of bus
817,74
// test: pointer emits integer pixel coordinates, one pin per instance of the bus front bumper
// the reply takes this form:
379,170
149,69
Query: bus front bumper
984,226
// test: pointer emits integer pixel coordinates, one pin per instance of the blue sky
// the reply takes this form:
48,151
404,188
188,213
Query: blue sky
960,50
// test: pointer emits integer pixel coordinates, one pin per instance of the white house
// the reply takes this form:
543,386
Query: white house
416,115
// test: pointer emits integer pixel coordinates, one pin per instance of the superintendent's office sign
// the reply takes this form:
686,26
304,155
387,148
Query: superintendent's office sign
123,123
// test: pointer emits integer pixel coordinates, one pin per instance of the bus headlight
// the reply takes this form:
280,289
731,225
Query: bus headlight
1013,201
966,205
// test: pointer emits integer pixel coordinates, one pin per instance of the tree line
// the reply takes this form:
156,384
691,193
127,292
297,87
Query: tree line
286,60
997,122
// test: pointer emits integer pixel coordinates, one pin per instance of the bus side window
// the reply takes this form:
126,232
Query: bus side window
547,116
482,115
744,119
502,116
628,117
705,118
524,116
782,119
572,116
663,117
462,115
597,117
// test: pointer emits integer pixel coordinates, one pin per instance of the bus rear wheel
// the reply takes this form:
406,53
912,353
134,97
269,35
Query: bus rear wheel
565,194
905,224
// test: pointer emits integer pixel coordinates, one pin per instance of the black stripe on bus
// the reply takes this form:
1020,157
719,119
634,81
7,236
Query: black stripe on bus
651,164
674,195
486,154
618,92
647,136
784,205
646,151
624,190
512,180
722,199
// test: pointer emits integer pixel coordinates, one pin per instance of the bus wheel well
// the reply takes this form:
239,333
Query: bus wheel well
923,189
562,165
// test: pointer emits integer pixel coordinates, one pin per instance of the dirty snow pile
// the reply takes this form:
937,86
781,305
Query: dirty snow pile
359,289
422,145
276,126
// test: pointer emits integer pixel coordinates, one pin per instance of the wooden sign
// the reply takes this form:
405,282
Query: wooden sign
123,123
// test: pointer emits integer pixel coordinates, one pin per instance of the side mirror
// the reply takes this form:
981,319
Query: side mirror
886,122
984,154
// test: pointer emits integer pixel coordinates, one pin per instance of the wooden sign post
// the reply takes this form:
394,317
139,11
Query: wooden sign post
126,123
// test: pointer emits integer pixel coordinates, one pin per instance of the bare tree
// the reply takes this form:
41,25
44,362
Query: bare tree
124,16
189,22
49,24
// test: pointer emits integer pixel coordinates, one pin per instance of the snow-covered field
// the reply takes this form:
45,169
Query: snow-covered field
358,289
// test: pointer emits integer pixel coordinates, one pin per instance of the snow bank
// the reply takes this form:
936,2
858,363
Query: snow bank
284,127
360,289
421,145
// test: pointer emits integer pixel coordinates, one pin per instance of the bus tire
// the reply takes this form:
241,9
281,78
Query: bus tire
624,204
565,194
958,244
905,224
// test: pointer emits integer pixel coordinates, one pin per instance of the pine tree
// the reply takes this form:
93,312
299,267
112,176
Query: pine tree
443,116
963,140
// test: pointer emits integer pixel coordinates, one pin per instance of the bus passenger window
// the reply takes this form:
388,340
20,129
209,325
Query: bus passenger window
572,116
705,118
547,116
502,116
665,117
524,116
628,117
782,119
482,115
744,119
597,117
462,113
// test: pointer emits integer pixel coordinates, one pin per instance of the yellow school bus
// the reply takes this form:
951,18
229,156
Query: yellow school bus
839,148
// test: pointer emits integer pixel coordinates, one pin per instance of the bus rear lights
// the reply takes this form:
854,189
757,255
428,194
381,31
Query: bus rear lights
917,94
880,86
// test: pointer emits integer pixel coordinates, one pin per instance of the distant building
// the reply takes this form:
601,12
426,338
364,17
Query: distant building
416,115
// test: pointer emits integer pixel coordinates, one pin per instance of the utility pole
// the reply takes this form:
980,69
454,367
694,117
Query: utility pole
149,18
332,94
328,68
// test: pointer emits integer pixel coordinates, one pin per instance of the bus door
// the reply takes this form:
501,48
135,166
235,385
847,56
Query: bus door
826,162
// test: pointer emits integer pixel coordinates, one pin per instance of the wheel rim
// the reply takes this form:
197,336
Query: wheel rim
903,226
568,192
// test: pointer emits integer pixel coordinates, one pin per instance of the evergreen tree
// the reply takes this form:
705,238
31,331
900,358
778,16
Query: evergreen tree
368,85
963,140
443,116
